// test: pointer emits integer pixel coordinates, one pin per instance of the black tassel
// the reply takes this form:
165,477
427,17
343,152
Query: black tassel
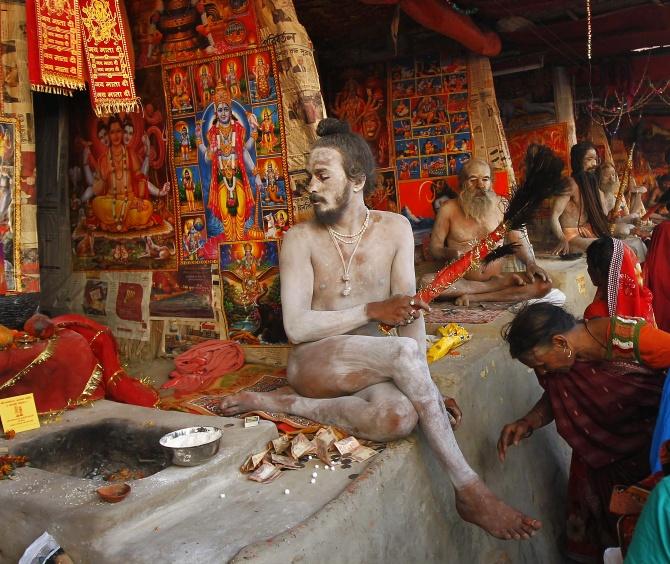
543,180
500,252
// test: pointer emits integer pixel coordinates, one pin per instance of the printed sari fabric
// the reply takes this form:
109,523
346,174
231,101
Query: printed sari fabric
606,412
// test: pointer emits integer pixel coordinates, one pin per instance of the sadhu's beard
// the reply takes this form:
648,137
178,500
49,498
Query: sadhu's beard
334,214
610,187
476,204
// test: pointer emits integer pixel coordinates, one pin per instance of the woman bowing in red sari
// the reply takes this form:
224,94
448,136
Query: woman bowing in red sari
602,379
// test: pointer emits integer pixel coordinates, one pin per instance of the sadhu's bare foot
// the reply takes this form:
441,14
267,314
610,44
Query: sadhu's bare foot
478,505
242,402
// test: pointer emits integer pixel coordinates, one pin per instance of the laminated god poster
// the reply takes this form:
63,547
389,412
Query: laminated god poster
227,149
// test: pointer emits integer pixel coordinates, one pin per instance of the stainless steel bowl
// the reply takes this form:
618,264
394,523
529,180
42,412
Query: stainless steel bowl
193,445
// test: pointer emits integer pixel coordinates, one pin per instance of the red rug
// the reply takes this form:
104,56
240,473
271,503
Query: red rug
463,315
252,378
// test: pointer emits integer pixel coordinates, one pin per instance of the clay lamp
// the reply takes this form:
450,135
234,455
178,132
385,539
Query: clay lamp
114,492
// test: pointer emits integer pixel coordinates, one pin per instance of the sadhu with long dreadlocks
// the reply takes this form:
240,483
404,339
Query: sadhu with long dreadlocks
344,273
577,217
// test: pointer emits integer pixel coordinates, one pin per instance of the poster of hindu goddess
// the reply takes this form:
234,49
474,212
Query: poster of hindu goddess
121,202
235,147
358,96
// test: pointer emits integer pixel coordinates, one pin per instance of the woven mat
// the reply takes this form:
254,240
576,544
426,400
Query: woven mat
463,315
251,378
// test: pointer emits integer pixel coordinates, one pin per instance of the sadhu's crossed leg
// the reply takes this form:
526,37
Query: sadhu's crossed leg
377,388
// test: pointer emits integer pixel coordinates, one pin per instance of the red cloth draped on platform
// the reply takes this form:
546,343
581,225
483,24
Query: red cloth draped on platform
657,273
627,295
79,364
82,40
117,384
606,413
60,372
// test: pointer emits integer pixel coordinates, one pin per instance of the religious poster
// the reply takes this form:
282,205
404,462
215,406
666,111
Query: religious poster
119,300
249,274
358,96
227,146
526,100
121,200
651,158
431,126
10,193
384,196
179,335
165,31
19,257
302,205
302,105
554,136
186,292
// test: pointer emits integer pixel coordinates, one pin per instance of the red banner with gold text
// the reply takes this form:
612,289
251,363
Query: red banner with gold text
56,64
108,58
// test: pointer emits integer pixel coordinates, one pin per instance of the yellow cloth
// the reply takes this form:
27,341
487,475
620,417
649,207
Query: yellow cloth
453,335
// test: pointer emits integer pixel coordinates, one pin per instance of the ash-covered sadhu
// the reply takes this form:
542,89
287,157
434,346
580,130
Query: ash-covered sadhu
343,274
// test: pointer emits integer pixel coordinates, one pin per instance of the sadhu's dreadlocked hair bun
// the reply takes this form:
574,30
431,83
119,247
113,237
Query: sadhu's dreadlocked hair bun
331,126
357,158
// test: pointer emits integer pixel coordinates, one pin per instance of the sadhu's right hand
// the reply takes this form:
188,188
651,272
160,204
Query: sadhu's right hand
397,310
513,434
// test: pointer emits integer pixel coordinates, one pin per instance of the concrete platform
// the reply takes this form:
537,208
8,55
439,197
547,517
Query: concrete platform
175,515
397,509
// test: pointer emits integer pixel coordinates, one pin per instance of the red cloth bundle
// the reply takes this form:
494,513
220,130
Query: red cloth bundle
204,362
61,372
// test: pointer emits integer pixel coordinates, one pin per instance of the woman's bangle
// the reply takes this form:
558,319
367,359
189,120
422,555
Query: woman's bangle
531,428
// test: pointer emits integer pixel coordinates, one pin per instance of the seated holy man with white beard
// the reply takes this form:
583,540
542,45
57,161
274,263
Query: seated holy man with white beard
460,223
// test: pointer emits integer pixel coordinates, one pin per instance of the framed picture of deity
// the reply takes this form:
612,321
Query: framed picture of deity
250,290
10,210
229,154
